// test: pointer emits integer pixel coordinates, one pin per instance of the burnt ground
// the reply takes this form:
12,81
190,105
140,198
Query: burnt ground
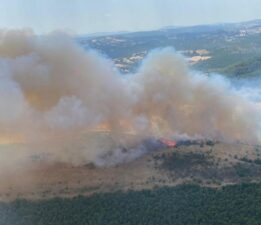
207,164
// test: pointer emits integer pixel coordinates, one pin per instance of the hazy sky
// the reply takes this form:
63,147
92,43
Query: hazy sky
88,16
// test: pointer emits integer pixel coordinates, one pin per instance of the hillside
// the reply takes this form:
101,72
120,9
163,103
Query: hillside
207,164
209,48
185,204
246,68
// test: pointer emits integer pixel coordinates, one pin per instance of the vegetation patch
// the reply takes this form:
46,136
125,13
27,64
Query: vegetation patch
182,161
186,164
206,167
185,204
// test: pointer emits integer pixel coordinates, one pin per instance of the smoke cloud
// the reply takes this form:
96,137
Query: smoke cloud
74,105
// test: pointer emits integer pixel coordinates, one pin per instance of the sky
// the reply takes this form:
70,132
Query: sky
92,16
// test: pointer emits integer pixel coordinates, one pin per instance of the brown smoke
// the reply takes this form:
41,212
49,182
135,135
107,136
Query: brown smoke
55,97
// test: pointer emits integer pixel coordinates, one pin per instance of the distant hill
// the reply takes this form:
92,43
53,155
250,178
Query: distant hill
246,68
228,46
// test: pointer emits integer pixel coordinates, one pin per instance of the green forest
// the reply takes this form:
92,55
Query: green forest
184,204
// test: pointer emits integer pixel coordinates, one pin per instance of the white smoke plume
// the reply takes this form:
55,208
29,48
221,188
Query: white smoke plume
56,98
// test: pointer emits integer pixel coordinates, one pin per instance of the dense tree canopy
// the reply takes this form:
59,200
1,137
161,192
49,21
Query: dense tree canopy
185,204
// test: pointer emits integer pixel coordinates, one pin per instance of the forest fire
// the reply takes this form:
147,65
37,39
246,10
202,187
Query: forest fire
97,115
168,143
